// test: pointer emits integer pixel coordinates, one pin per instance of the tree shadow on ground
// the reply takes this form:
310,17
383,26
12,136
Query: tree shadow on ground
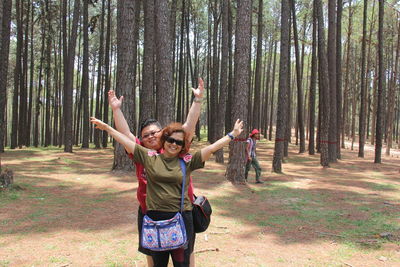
305,204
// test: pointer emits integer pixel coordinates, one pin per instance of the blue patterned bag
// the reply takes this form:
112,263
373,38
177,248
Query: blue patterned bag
166,234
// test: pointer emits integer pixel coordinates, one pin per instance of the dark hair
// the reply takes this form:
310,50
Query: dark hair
175,127
148,122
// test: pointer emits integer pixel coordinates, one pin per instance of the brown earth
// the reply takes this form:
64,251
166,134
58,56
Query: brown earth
73,211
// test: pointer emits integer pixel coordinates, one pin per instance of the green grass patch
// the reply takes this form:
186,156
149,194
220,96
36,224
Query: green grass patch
104,197
383,187
4,263
59,259
9,195
297,159
378,222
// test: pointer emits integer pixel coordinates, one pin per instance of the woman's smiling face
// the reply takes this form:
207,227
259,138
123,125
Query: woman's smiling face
171,148
151,137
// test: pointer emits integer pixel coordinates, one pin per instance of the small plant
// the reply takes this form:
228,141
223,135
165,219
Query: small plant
6,177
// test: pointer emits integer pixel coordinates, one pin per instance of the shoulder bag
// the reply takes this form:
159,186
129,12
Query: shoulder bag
166,234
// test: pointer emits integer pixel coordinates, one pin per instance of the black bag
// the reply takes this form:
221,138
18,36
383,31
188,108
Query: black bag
201,213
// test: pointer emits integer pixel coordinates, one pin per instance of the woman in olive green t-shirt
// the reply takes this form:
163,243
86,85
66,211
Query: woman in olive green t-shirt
164,177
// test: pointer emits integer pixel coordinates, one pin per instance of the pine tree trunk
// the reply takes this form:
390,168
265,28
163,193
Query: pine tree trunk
31,78
313,84
282,116
271,114
257,82
339,76
332,142
146,108
5,21
164,55
363,88
17,77
125,73
237,159
107,75
85,77
219,157
69,74
300,121
324,85
379,112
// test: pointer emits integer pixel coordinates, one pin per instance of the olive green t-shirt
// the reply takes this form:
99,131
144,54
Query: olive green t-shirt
164,178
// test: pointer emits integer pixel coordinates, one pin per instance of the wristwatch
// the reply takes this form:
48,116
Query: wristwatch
230,136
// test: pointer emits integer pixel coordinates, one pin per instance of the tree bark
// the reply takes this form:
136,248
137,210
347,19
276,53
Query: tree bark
85,76
125,73
313,84
332,135
69,75
146,104
361,127
164,55
237,157
257,80
282,115
324,85
5,23
379,112
300,121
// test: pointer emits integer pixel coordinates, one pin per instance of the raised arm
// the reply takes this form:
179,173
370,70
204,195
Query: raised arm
208,150
194,112
119,137
119,119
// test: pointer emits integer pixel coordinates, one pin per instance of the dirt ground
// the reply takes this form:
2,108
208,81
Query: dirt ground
71,210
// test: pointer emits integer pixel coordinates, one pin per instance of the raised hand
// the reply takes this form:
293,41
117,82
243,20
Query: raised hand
99,124
238,128
113,101
200,90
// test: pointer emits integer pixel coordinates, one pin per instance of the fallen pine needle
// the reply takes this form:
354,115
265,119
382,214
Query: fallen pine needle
325,233
218,233
207,249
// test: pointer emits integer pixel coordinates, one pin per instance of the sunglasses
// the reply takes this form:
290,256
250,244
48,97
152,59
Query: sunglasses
153,133
172,141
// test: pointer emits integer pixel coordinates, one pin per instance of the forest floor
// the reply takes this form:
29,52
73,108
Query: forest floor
71,210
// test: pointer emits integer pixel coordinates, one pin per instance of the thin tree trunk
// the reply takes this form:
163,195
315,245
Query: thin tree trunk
146,104
339,76
68,75
5,23
300,121
281,115
391,98
363,88
332,142
271,114
164,55
85,77
257,83
324,85
313,84
379,113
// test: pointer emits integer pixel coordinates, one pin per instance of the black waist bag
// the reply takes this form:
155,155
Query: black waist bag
201,214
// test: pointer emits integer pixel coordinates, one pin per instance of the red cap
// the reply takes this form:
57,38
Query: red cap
255,131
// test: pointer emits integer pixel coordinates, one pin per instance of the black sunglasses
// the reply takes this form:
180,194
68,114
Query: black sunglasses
171,140
150,134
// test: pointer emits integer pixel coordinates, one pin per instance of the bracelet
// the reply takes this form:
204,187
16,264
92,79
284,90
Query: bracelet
198,99
230,136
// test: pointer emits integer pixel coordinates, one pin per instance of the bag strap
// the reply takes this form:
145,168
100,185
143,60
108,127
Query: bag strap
183,169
